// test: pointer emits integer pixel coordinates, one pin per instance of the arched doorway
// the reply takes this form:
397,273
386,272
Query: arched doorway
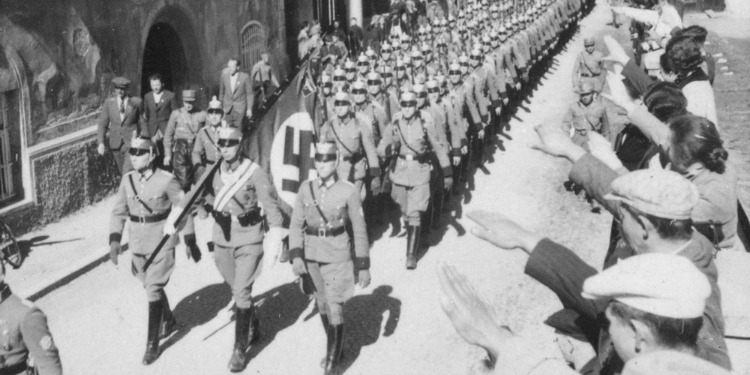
164,54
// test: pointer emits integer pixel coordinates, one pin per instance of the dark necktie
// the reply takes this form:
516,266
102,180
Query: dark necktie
122,106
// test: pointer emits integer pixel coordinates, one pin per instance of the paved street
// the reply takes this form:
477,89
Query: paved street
396,325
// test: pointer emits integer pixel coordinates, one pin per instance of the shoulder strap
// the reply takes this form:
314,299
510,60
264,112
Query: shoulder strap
205,130
583,60
333,129
227,191
317,206
137,196
403,140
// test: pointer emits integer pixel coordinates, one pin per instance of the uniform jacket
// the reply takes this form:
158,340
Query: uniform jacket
119,130
156,115
239,100
414,137
377,118
24,333
463,105
587,64
340,203
257,191
592,117
206,145
353,136
182,125
159,190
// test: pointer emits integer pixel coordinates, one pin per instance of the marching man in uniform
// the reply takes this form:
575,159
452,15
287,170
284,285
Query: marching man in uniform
25,340
412,137
234,196
320,245
145,198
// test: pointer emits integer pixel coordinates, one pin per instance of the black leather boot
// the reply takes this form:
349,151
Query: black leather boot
168,323
241,334
334,354
253,334
152,341
412,246
329,337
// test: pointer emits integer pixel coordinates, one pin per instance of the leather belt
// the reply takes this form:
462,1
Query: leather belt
150,219
590,75
325,232
420,158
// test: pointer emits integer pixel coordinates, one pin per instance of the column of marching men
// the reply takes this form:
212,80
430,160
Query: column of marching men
400,127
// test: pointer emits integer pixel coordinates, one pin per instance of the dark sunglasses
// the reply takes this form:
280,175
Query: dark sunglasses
401,68
410,103
340,103
454,72
364,63
214,111
138,152
351,70
432,91
464,64
328,84
339,79
416,58
324,158
421,94
228,142
387,75
359,91
386,51
373,83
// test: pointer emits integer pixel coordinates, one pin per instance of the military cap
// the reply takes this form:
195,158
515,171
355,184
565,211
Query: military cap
339,72
662,284
373,76
370,53
120,82
349,64
326,148
476,52
407,60
588,41
451,18
396,44
426,48
405,38
214,106
493,35
385,46
359,84
586,87
342,96
324,78
503,30
486,39
141,143
461,14
671,362
431,83
419,88
463,59
408,96
441,42
362,59
188,95
230,132
661,193
415,54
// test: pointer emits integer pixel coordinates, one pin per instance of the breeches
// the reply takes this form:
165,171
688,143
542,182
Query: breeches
334,285
157,276
412,200
240,266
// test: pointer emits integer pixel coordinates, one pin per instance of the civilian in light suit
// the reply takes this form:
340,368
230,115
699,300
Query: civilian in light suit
236,93
119,121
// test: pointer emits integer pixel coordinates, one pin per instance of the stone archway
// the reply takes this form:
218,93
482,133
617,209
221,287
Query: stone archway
172,50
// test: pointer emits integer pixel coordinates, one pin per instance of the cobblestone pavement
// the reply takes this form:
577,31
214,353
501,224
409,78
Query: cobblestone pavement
395,326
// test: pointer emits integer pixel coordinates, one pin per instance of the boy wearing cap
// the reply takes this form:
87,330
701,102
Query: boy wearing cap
653,210
410,138
652,305
354,138
588,66
119,123
234,196
321,246
145,199
25,336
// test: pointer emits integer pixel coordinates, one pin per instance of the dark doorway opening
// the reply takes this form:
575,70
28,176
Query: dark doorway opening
164,54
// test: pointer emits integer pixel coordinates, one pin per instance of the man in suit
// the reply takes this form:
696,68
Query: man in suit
156,108
119,122
236,93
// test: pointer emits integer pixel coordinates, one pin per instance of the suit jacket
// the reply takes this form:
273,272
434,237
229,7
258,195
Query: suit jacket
121,131
156,115
241,98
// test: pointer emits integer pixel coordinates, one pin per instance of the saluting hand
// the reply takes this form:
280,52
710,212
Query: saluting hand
502,232
555,142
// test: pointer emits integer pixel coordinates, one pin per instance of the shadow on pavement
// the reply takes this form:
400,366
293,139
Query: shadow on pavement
24,246
277,309
197,309
363,317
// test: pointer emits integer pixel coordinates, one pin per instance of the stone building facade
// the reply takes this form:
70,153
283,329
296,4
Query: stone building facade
57,59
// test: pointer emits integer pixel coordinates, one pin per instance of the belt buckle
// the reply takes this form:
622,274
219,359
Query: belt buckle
322,231
409,157
142,219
